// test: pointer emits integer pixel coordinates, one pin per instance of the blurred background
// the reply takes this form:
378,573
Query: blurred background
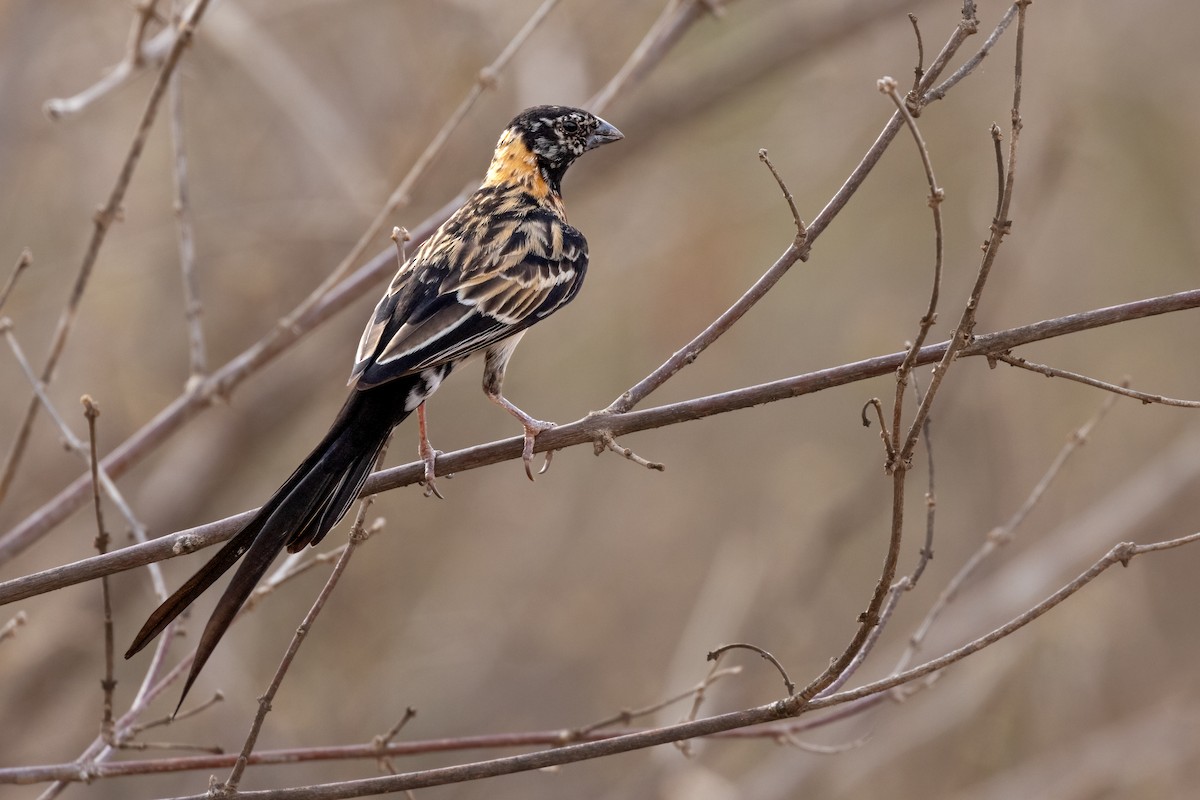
515,606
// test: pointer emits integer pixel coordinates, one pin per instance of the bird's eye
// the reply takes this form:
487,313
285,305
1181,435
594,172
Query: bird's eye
570,126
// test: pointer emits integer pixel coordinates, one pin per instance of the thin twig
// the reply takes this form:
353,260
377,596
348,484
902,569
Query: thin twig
23,263
801,231
884,434
889,87
968,66
919,69
787,682
91,761
606,441
824,749
967,27
925,555
997,146
107,684
626,716
184,226
1055,372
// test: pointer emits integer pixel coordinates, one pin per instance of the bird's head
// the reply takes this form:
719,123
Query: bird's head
548,139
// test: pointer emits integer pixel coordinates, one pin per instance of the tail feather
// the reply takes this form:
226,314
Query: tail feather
301,512
340,499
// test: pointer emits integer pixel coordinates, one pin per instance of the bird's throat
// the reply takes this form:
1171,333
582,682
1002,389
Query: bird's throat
514,164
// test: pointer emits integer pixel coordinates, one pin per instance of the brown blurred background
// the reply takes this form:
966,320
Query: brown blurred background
514,606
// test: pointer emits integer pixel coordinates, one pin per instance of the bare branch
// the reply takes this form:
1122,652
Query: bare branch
108,684
193,309
787,682
926,553
605,441
24,261
801,232
1055,372
938,92
919,69
584,431
626,716
890,88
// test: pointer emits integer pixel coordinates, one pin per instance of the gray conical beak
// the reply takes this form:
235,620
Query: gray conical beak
604,134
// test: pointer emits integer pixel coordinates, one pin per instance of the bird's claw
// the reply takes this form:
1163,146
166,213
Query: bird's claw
532,428
429,457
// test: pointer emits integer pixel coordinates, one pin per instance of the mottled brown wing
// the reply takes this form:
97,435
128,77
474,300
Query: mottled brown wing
469,287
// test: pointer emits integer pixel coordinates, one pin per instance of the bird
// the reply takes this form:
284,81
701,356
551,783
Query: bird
504,261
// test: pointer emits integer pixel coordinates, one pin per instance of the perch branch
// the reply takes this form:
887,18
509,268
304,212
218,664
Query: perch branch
584,431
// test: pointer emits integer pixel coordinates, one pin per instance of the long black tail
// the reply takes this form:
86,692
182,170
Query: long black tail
301,512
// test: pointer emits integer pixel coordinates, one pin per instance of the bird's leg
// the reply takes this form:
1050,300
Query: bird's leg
428,455
495,361
532,428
